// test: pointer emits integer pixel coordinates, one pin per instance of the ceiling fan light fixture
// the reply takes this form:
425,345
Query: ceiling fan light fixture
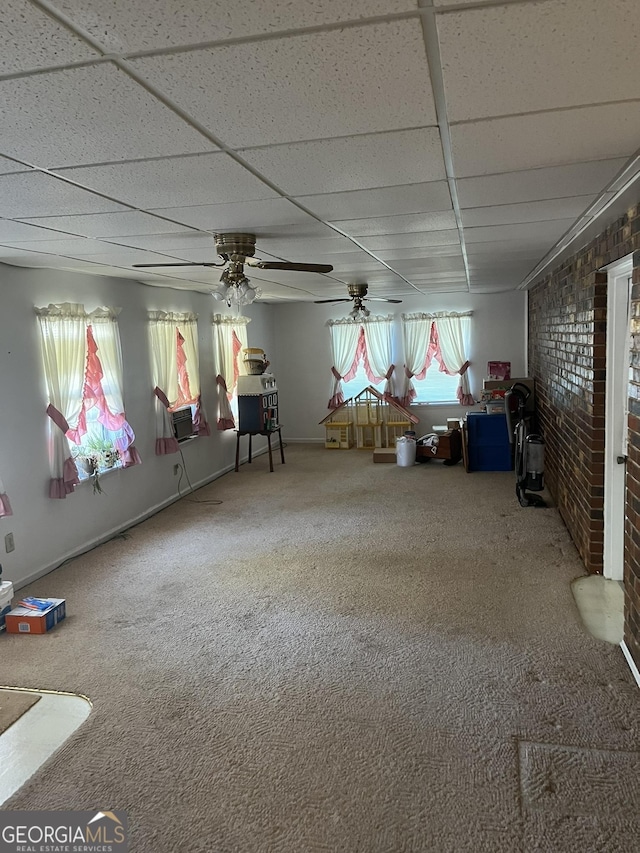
235,289
359,312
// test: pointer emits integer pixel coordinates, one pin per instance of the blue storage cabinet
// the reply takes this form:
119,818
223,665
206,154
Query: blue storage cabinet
488,442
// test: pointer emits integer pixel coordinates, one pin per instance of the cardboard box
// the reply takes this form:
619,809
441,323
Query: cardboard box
23,620
6,597
385,454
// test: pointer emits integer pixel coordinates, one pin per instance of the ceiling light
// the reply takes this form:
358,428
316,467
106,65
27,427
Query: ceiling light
359,312
235,289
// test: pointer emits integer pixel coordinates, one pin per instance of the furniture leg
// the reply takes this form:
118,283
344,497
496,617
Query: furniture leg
249,448
270,454
237,451
281,447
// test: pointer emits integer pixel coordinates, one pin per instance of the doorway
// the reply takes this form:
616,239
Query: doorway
616,412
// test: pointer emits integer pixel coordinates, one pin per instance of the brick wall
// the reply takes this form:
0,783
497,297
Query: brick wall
567,358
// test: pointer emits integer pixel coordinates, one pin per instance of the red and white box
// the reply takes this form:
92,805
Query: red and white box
25,620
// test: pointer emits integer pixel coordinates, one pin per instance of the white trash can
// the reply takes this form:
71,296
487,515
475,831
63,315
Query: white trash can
405,452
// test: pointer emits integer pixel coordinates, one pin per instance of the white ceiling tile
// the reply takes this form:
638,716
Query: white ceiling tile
352,163
426,238
538,184
68,246
107,224
528,211
10,231
527,77
19,257
344,259
32,39
130,26
507,249
174,181
420,252
122,256
7,166
522,232
386,201
89,115
31,194
437,264
169,243
313,86
400,224
251,216
294,249
553,139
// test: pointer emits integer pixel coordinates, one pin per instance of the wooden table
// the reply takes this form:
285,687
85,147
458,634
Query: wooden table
251,433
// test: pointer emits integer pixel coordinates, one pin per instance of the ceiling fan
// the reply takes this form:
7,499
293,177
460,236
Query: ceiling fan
236,250
358,293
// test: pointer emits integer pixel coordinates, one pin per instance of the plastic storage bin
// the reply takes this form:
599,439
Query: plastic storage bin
6,596
405,451
488,442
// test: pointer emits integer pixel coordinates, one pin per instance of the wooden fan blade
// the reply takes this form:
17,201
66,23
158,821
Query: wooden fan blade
284,265
380,299
189,264
322,301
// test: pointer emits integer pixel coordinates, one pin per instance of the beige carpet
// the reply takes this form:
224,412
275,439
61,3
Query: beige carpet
13,704
343,656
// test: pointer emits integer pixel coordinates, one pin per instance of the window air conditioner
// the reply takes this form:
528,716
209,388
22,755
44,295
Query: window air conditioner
182,423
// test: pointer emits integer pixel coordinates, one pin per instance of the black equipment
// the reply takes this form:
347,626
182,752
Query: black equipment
528,447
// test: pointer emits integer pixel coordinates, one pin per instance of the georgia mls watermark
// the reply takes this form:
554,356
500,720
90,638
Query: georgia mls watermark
63,832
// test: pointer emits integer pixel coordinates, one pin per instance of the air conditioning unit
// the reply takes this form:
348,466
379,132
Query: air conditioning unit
182,423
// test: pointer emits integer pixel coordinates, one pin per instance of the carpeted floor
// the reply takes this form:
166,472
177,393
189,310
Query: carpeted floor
343,656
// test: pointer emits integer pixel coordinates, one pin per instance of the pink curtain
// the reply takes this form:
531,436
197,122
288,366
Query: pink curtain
166,444
5,506
93,395
225,421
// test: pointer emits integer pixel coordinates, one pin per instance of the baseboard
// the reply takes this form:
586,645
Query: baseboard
289,440
121,528
632,664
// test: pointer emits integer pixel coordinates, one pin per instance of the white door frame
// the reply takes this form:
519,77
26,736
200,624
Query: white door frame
616,412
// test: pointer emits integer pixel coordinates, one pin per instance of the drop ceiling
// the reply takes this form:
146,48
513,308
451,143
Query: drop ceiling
420,146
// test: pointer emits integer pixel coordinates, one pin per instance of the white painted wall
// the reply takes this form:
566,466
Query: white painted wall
295,339
48,531
302,361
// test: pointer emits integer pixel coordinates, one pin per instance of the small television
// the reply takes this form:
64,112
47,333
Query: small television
182,423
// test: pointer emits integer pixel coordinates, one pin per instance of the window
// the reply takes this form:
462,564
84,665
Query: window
437,386
359,382
173,340
230,337
435,347
82,361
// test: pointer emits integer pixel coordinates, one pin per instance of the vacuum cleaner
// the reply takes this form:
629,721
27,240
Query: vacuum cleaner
528,447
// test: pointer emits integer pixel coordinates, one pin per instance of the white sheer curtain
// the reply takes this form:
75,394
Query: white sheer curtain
164,368
63,331
104,325
188,328
5,506
378,354
344,351
454,333
230,338
416,334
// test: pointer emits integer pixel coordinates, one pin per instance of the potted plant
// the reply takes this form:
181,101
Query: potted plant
94,456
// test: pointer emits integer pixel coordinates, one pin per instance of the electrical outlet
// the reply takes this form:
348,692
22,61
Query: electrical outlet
9,544
176,470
